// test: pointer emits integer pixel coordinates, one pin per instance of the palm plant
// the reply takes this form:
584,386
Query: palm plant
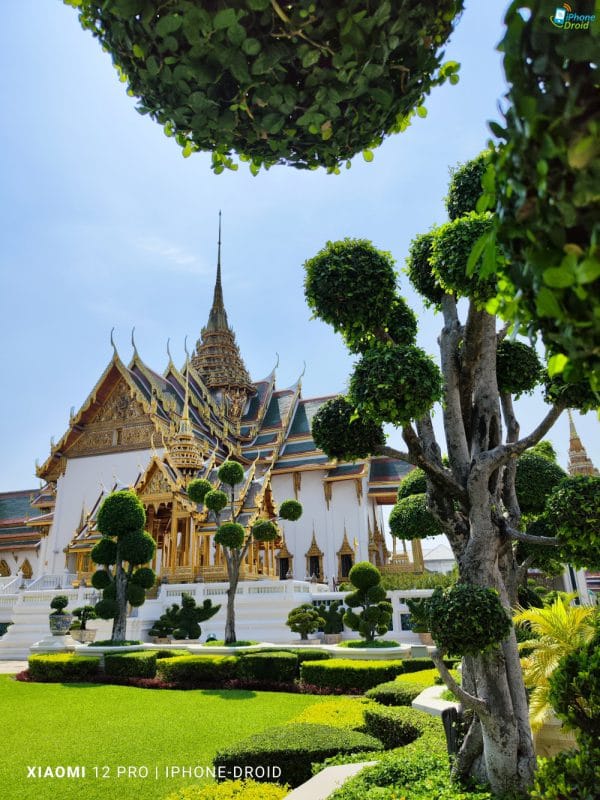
560,629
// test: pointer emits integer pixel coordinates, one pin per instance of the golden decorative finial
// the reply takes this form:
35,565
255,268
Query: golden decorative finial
135,352
185,350
303,371
169,351
112,341
277,362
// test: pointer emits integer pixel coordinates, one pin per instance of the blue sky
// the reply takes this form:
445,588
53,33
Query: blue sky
104,224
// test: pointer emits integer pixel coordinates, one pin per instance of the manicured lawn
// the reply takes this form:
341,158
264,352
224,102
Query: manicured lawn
116,726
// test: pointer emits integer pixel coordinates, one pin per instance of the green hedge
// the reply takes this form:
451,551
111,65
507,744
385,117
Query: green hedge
279,667
344,673
306,654
62,667
166,653
420,664
197,669
293,748
231,790
393,693
130,665
395,727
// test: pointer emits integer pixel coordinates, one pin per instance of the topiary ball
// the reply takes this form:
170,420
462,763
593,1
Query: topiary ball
535,478
290,510
411,519
144,577
264,530
101,579
137,547
60,602
351,285
230,534
198,489
364,575
230,472
418,269
215,500
136,594
465,619
414,483
120,513
106,609
337,432
578,395
104,552
110,592
395,384
518,368
400,325
465,187
574,511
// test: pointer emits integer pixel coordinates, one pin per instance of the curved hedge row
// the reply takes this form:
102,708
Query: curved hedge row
393,693
139,664
342,673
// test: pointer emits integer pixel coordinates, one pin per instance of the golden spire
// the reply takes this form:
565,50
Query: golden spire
184,451
579,461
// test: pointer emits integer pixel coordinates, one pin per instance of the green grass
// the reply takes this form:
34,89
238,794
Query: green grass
95,726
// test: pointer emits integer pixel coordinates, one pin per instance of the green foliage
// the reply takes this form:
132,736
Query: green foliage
293,748
197,670
535,479
104,552
574,773
137,547
231,790
342,434
376,614
422,665
184,619
304,619
341,712
308,84
230,534
119,514
425,677
106,608
59,603
547,173
215,500
62,667
197,489
545,448
145,577
231,473
391,693
343,673
84,614
574,508
279,667
332,616
264,530
309,654
136,594
429,580
290,510
450,250
575,692
518,368
414,483
130,665
395,383
548,559
395,727
572,394
361,644
418,269
463,619
411,519
465,186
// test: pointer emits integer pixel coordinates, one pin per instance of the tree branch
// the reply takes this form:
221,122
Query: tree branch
437,474
479,706
520,536
500,455
450,339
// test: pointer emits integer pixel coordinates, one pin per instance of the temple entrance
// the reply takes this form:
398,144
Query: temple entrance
284,568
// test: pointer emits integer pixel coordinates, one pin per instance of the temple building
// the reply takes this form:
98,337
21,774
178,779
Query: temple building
154,432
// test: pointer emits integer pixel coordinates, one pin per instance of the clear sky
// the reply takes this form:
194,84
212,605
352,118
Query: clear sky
103,224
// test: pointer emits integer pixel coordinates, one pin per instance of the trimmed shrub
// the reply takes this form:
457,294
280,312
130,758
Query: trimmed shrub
393,693
232,790
166,653
346,674
361,644
130,665
290,510
395,727
197,669
230,472
426,677
198,489
341,712
311,655
420,664
62,667
293,748
568,775
270,667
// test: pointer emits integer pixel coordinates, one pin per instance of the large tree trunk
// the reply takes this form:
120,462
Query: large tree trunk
233,573
119,631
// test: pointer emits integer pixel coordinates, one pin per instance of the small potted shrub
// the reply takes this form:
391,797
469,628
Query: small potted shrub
59,621
304,619
78,629
334,621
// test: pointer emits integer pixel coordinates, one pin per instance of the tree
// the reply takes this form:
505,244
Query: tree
122,551
84,614
234,539
376,615
308,84
187,618
472,498
333,615
304,619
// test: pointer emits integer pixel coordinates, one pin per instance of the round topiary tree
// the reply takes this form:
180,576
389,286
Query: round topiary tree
123,547
304,619
376,615
230,535
410,519
335,431
189,617
308,84
574,512
414,483
535,479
